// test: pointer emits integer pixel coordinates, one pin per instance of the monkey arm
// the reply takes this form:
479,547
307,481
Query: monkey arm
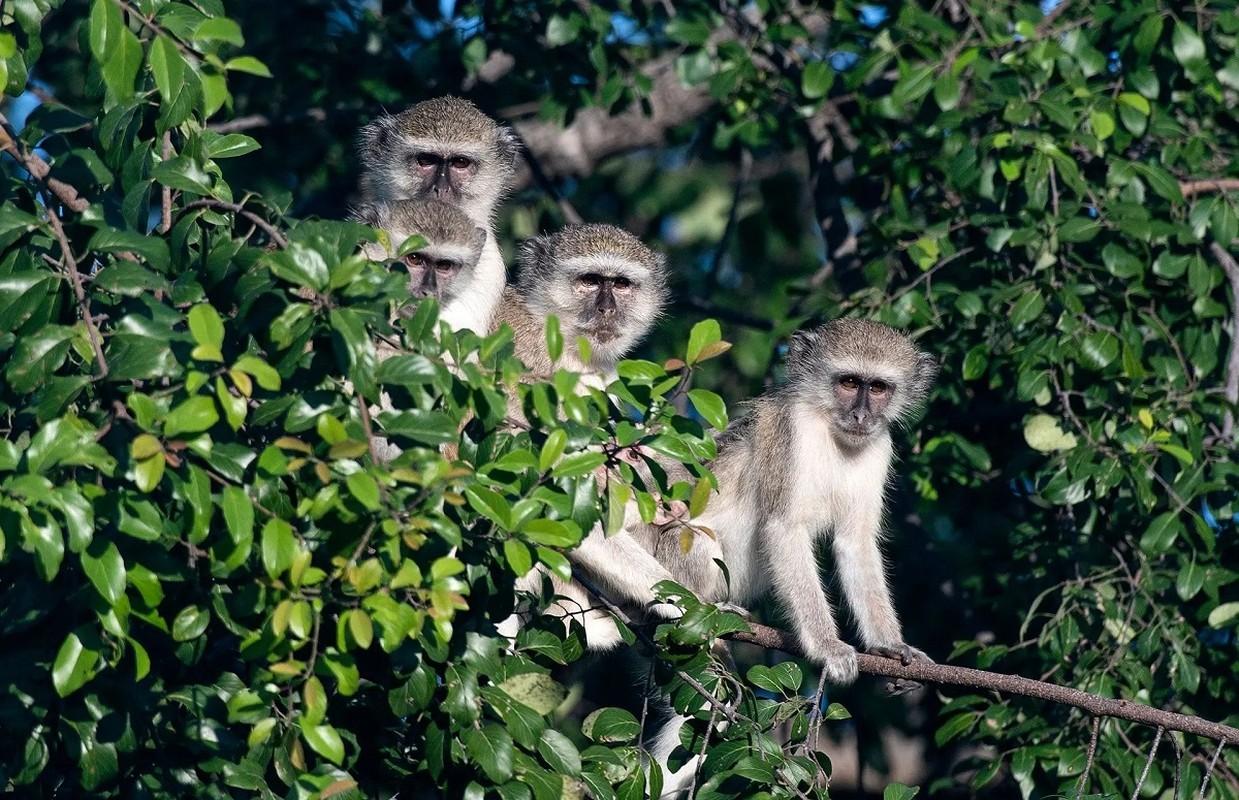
619,566
789,550
862,575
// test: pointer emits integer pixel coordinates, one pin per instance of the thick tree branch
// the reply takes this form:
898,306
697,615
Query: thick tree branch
773,638
39,168
1191,188
594,134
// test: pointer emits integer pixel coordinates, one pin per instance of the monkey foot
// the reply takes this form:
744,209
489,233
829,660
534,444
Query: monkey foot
836,658
739,611
905,653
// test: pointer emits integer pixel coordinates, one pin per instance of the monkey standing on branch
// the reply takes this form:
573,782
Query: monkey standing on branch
446,149
604,285
810,462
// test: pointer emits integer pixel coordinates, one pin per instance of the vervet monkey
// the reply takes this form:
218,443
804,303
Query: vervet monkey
810,462
604,285
445,266
448,150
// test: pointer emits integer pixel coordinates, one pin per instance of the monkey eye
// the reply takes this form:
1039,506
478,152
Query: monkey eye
415,260
425,160
879,388
849,382
446,265
590,279
622,283
461,162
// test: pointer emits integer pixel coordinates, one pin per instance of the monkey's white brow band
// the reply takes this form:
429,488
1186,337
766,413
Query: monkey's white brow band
607,263
451,146
867,368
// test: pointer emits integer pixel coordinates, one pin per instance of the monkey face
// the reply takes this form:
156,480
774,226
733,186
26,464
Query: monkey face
860,405
443,175
431,276
603,302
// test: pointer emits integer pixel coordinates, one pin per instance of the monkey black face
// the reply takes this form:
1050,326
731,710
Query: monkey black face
443,176
430,276
604,302
861,404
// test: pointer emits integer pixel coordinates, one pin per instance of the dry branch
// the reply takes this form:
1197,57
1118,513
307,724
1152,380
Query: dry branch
1190,188
765,636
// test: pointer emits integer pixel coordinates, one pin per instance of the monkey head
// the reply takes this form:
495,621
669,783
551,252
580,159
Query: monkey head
600,281
864,376
443,149
445,264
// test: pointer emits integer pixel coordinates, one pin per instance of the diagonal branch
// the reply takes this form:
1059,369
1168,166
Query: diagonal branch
39,168
773,638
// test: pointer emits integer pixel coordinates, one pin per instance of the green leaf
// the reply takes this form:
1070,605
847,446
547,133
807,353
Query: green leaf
535,690
250,65
1224,615
220,29
947,91
194,415
816,80
554,339
238,514
190,623
1099,349
491,505
898,791
492,748
1043,433
1102,124
703,334
105,569
168,66
559,752
206,327
552,449
279,547
1189,48
325,740
230,145
1161,534
74,665
710,406
611,725
517,554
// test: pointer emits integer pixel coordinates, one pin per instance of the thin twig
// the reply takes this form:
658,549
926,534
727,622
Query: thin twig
765,636
83,302
158,30
646,639
1088,762
39,168
237,208
1204,783
166,205
1157,739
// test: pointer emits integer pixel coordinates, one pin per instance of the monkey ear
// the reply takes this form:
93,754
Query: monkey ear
799,347
926,371
369,213
535,252
479,239
509,146
373,139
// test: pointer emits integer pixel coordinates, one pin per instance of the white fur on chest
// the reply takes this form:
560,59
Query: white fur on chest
829,483
476,308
